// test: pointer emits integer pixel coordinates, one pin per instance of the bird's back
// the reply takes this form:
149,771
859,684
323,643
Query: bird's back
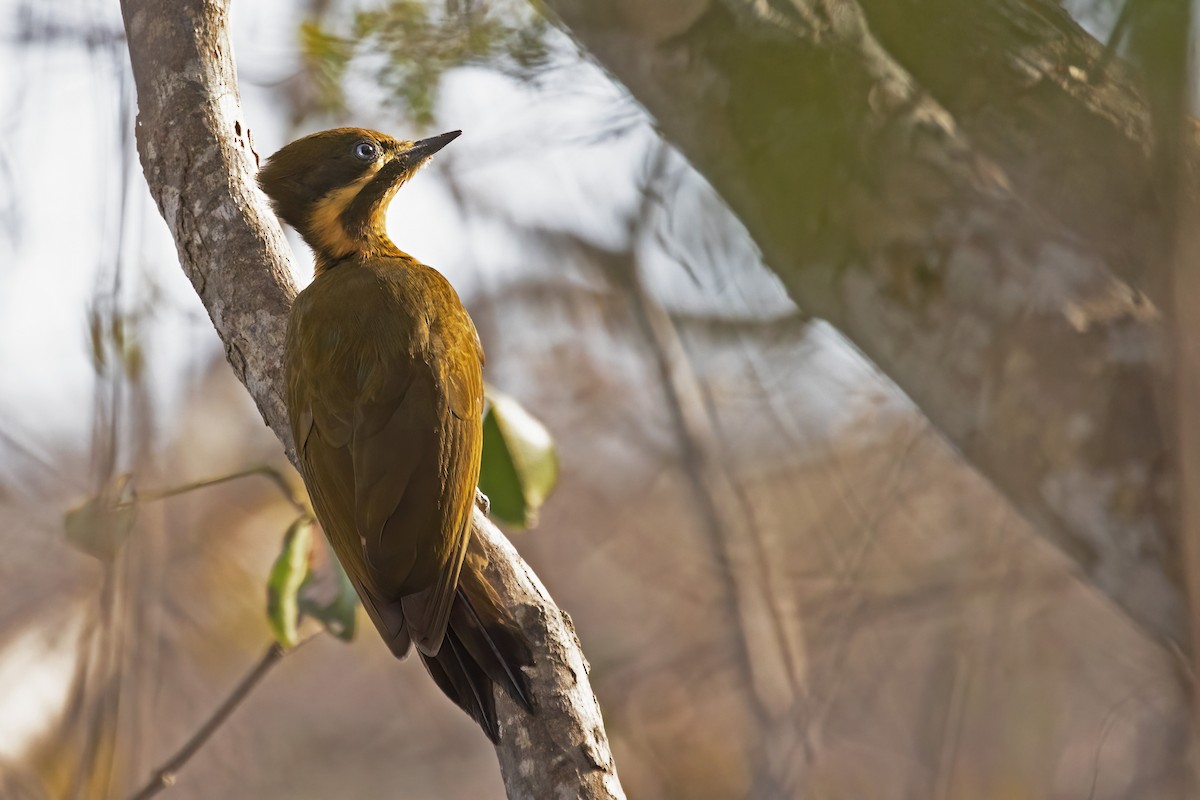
384,375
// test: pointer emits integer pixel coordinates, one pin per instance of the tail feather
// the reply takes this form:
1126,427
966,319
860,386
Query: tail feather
464,683
483,646
491,636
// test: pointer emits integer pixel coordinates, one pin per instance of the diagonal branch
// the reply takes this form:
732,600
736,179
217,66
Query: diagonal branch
939,180
197,157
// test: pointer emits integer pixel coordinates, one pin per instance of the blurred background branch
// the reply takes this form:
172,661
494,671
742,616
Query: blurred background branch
1013,169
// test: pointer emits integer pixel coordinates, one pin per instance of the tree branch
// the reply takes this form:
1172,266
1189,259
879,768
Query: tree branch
1000,258
196,153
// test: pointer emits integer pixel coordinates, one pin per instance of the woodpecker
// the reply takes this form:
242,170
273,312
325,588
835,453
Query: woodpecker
385,398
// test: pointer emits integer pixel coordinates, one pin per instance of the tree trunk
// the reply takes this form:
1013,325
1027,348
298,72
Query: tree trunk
945,182
199,163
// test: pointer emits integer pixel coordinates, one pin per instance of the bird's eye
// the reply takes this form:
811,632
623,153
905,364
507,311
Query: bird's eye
365,151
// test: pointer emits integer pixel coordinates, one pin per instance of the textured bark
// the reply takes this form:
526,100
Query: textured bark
196,153
971,210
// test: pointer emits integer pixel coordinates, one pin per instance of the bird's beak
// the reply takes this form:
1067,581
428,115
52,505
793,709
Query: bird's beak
424,148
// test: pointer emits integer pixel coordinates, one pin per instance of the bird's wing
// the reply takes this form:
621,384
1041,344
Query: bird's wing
459,376
390,451
327,419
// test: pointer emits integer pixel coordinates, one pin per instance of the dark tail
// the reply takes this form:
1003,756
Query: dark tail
483,646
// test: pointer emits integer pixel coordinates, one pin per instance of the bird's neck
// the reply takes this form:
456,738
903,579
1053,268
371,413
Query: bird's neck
337,232
349,250
349,221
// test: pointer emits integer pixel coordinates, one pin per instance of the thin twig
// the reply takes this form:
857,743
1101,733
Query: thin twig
1115,37
164,776
265,470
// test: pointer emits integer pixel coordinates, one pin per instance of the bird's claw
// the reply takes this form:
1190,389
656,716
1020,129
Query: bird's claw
481,500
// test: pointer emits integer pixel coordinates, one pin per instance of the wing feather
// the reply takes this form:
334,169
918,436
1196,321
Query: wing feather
389,443
460,379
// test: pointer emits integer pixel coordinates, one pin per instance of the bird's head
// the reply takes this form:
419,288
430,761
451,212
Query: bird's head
334,187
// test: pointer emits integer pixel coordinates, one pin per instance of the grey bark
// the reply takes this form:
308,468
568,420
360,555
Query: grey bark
199,163
941,180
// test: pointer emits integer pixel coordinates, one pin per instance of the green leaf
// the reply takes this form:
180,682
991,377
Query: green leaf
410,44
287,576
101,524
96,338
337,614
520,464
325,58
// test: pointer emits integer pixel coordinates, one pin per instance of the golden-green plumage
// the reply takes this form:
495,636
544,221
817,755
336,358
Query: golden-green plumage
385,395
387,405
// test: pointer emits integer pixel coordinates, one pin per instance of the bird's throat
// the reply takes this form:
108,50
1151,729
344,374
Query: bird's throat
342,226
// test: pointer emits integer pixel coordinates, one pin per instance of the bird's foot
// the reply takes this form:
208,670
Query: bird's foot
481,500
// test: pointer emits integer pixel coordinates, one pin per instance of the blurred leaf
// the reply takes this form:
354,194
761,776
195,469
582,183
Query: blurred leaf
134,359
113,338
116,326
520,464
498,477
287,576
96,337
101,524
338,614
419,42
126,344
325,59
